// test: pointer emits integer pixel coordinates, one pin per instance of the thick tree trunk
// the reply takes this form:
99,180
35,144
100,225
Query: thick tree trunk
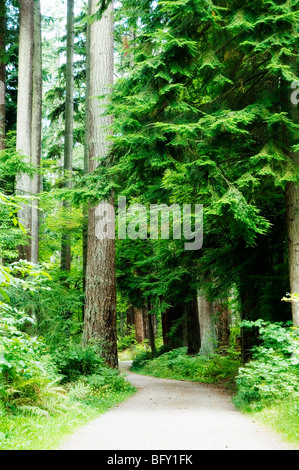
207,326
36,132
100,303
24,113
2,73
69,124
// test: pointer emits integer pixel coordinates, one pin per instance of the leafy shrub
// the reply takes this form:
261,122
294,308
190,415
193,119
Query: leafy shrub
73,361
141,359
101,385
105,384
25,366
145,355
110,379
273,373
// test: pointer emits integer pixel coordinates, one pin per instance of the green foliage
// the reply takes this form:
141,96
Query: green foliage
103,384
127,341
273,373
25,367
74,361
177,364
12,233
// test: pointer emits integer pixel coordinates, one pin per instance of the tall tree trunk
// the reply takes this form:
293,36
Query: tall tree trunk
207,326
292,202
86,151
24,113
36,146
100,303
2,73
69,125
150,328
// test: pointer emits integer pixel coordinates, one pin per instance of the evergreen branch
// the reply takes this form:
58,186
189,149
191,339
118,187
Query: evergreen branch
262,75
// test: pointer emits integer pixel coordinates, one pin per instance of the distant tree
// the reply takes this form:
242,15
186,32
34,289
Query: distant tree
69,127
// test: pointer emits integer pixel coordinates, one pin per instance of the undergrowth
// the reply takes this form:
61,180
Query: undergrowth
177,364
45,395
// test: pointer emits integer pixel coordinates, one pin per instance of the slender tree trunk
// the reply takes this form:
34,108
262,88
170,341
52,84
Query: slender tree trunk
24,113
2,73
100,303
86,152
151,329
207,326
139,324
36,129
292,202
292,199
69,124
222,324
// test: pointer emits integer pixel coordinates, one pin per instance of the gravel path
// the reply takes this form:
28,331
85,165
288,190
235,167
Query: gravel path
173,415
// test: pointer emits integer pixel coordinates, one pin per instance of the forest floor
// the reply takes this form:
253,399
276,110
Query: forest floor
170,415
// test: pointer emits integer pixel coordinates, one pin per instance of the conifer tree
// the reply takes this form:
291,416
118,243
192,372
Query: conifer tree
36,130
200,118
24,119
69,126
100,294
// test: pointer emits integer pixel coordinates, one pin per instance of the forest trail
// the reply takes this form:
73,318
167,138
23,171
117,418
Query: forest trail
173,415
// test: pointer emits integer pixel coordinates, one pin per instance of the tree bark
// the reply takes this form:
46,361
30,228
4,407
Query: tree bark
139,324
69,126
207,326
100,304
86,152
24,114
2,73
36,129
222,324
150,330
292,209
